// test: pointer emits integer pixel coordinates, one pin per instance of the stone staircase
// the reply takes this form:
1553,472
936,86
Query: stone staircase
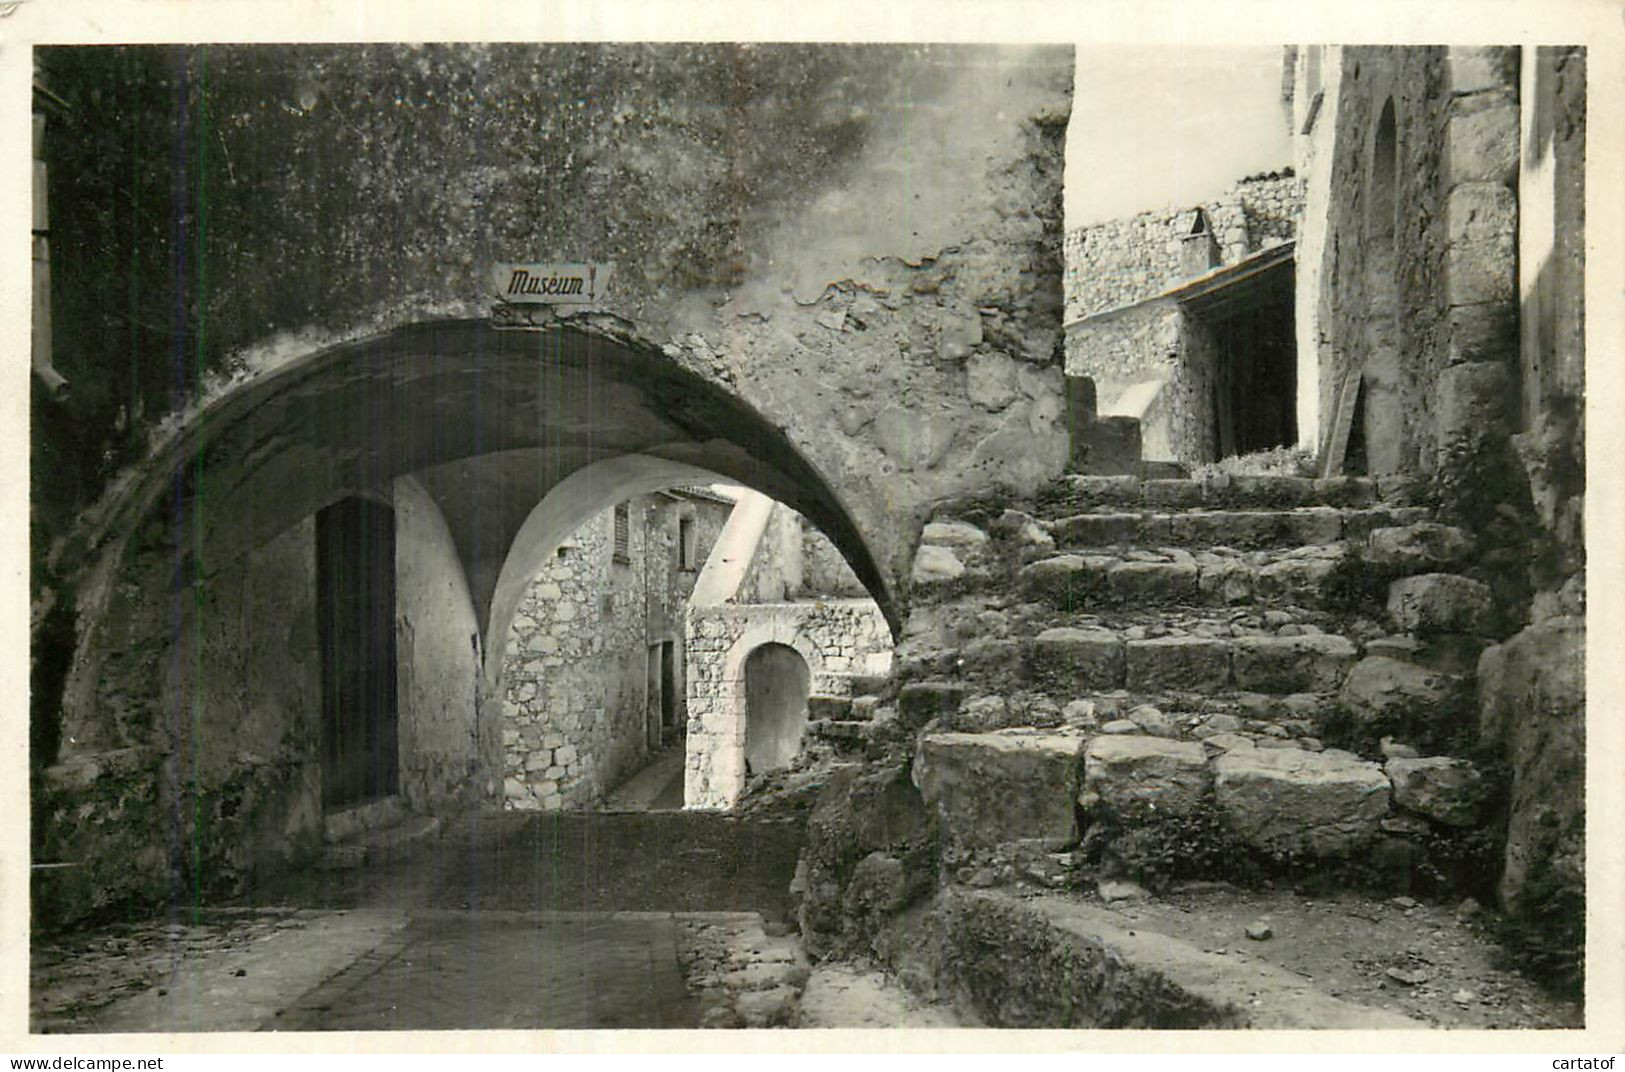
1283,665
850,719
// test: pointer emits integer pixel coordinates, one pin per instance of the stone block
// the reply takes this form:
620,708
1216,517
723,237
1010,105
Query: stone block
1176,494
1345,491
1227,528
1065,581
1153,582
1080,659
1439,603
1426,545
955,534
1481,219
978,715
1104,490
1474,404
1450,791
990,656
1471,69
1112,446
1305,803
990,380
1314,527
1532,698
1383,693
1132,776
1481,144
993,788
934,565
1082,410
1179,664
1097,530
1224,580
1487,332
914,440
919,702
830,707
1282,492
1297,580
1291,664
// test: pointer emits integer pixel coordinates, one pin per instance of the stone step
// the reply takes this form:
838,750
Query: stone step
1100,659
1078,492
841,729
347,824
826,708
1298,527
1306,576
1025,784
1062,962
379,844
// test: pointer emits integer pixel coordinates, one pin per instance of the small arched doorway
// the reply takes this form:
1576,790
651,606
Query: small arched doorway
776,687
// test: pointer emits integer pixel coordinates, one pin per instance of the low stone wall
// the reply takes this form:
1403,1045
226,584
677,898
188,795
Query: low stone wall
1154,341
837,638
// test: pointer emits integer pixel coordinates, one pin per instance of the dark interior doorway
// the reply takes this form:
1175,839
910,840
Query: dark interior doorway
355,599
668,690
1255,369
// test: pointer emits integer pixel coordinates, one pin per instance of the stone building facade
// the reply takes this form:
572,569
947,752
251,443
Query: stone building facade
595,671
1441,340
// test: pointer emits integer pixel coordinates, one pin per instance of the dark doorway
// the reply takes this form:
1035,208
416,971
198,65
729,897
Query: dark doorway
668,691
355,599
1255,366
776,686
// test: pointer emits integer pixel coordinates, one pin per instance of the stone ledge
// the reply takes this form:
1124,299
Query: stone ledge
1049,961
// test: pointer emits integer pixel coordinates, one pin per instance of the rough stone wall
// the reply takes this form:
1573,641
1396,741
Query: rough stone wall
207,779
1532,688
448,754
1152,341
837,638
573,721
1120,262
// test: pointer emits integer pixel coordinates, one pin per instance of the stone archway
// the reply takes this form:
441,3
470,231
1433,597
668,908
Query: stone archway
719,700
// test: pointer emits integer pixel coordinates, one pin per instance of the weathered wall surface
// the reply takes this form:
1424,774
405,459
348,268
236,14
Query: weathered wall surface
210,778
775,574
1120,262
1532,688
1487,276
826,231
836,639
449,748
823,571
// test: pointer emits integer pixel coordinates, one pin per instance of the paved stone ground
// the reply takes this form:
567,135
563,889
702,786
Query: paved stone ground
485,970
508,920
